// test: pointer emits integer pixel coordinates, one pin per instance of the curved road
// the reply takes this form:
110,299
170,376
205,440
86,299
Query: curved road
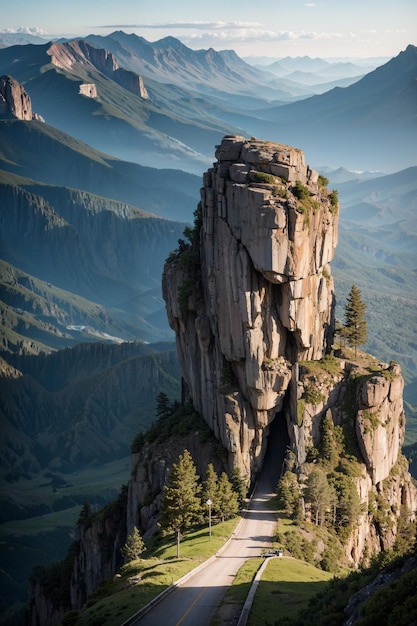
196,600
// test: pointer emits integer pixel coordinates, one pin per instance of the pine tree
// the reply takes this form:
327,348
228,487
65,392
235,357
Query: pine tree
134,546
210,485
181,506
289,493
329,447
318,494
355,322
239,485
163,405
226,499
85,513
347,503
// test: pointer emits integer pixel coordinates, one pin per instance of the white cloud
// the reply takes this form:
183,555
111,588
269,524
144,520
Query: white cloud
188,25
261,36
25,30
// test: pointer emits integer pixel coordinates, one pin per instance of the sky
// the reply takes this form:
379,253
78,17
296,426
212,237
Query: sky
272,28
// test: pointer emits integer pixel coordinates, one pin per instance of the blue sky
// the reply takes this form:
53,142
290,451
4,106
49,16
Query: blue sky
275,28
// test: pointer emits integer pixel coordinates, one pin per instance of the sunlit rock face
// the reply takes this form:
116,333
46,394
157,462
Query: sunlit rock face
252,303
370,407
262,297
14,101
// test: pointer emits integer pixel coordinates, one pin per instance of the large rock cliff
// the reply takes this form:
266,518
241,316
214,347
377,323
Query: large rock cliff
251,301
262,298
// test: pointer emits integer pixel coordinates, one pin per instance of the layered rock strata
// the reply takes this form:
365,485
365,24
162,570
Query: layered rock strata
262,298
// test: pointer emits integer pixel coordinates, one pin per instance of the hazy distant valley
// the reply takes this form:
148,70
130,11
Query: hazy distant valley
96,197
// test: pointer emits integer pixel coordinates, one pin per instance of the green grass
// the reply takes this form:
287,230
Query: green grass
286,586
235,597
142,580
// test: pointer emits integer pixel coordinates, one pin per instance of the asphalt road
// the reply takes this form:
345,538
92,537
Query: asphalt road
196,600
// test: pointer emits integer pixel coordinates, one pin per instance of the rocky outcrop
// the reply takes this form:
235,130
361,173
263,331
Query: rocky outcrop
380,422
97,551
383,579
14,101
67,55
264,297
370,407
251,301
93,558
89,90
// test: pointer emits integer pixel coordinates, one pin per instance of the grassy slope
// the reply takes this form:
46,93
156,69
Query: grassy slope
143,580
286,586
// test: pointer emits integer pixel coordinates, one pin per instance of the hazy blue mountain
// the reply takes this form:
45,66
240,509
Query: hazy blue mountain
377,252
79,265
19,39
343,175
310,64
205,71
368,125
195,97
71,163
305,63
117,119
78,406
67,421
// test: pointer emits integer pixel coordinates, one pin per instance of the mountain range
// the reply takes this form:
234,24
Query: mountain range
192,98
92,260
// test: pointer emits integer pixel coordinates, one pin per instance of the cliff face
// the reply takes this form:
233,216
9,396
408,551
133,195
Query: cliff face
66,55
94,558
251,303
150,468
97,556
265,296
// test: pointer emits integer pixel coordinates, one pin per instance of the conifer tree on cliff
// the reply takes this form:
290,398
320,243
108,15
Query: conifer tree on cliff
355,322
133,547
181,506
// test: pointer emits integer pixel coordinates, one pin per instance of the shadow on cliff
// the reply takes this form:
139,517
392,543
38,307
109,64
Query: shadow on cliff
278,441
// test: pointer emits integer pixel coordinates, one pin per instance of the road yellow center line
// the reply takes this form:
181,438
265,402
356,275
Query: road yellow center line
191,606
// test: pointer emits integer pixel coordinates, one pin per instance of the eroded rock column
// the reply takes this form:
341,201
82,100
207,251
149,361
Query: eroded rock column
261,297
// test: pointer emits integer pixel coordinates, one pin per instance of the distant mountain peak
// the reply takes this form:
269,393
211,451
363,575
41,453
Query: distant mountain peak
170,42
